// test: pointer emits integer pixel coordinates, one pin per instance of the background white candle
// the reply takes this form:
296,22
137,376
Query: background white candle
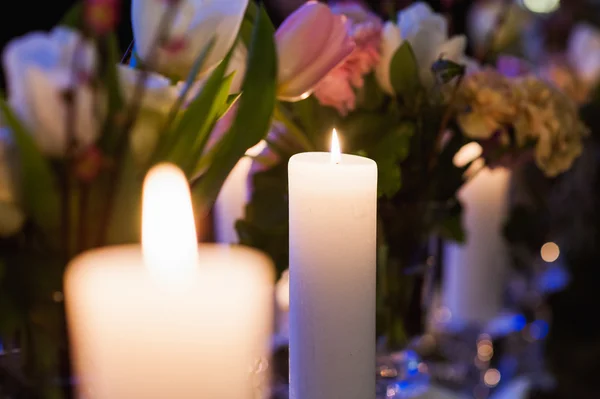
282,300
333,209
474,273
233,197
171,320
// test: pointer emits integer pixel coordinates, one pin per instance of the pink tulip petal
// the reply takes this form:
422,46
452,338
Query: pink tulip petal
302,38
338,47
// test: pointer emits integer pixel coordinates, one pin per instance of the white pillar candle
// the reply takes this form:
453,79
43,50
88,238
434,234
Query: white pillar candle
233,197
333,210
474,273
168,319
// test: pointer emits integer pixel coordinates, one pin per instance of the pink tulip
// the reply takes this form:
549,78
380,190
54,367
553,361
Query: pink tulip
310,43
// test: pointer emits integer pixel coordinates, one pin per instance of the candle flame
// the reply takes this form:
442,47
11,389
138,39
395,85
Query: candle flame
336,152
169,241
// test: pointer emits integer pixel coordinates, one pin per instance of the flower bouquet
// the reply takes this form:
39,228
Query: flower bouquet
432,118
80,129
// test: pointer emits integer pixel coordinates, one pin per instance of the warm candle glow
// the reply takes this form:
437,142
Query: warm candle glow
550,252
282,291
169,242
542,6
468,153
336,152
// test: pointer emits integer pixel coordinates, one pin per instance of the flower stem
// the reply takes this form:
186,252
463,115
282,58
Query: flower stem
84,197
292,128
131,116
445,122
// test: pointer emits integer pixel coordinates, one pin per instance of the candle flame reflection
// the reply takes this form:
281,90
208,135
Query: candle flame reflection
336,152
169,241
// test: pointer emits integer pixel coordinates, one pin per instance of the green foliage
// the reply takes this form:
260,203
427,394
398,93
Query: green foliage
364,129
370,97
73,18
253,117
445,70
41,199
109,79
184,143
451,228
189,83
404,75
125,219
266,223
27,307
389,152
247,26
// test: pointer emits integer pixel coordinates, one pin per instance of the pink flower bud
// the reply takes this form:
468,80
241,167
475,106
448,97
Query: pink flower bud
102,16
310,43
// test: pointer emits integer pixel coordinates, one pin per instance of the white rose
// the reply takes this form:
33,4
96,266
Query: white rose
39,68
196,22
427,32
11,217
584,52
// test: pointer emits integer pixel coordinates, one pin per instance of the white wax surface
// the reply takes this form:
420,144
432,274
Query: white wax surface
333,210
136,336
474,273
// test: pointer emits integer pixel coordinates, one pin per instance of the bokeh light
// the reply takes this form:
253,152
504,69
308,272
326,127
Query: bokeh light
550,252
491,378
485,351
541,6
468,153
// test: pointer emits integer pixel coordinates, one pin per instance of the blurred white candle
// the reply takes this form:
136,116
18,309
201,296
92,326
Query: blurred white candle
233,197
474,273
333,210
168,319
282,299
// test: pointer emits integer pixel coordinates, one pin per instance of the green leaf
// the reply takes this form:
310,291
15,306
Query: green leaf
41,198
125,220
370,96
192,76
231,99
363,129
404,74
294,130
445,70
111,76
265,226
194,127
451,229
389,180
171,135
392,149
73,18
110,81
254,112
247,27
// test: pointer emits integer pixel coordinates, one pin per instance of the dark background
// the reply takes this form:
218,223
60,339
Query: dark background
573,352
25,16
